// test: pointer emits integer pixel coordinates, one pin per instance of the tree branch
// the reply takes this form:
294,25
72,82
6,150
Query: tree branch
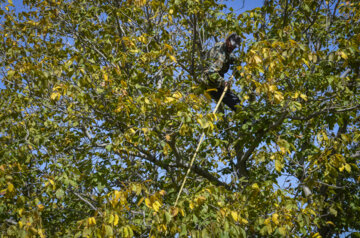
285,13
10,221
260,135
330,185
328,110
87,202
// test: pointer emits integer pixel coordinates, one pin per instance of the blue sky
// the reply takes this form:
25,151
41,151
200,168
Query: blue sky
241,6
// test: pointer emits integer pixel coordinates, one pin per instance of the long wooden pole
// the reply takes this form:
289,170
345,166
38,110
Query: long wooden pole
199,144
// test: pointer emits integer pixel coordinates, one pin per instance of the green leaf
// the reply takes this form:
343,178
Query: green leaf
278,165
108,230
59,193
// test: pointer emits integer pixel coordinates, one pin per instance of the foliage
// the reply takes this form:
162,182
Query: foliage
101,111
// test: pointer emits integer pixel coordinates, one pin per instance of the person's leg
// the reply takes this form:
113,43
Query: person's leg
216,93
230,99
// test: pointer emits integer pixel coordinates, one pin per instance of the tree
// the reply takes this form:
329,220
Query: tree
101,110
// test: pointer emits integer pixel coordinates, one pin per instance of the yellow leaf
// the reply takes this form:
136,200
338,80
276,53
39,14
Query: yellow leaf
41,207
111,219
243,221
312,212
166,149
342,168
296,95
148,202
140,3
348,168
174,211
343,55
282,231
116,195
316,235
106,77
91,221
116,220
52,183
41,233
182,212
125,232
255,186
200,199
134,51
272,88
123,83
140,201
162,192
303,96
330,223
257,59
278,165
234,215
10,187
55,96
172,58
169,47
177,95
274,218
143,39
278,97
20,211
156,205
306,62
10,73
169,99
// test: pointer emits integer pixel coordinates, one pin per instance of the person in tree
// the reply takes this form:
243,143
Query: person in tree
219,59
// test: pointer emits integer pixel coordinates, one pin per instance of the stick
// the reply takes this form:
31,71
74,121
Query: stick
198,146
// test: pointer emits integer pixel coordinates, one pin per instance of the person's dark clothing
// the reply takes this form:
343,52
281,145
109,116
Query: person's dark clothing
230,99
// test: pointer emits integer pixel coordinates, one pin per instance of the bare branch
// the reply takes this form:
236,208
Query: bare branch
330,185
326,110
10,221
87,202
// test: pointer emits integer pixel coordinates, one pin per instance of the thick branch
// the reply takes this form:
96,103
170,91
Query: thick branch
196,169
285,14
260,134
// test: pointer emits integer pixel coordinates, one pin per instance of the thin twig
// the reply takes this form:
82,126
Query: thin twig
330,185
10,221
87,202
